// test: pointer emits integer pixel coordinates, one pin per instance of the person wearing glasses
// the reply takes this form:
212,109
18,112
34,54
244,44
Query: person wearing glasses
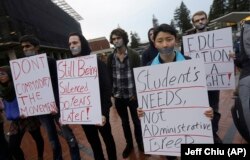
200,23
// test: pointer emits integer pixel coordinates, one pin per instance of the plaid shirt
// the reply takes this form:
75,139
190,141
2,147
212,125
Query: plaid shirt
123,86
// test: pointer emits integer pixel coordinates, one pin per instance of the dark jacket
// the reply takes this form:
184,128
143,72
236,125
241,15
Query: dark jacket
53,75
134,61
149,54
243,58
104,81
105,88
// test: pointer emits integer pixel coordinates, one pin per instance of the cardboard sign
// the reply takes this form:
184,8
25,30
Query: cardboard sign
79,91
33,85
174,101
213,48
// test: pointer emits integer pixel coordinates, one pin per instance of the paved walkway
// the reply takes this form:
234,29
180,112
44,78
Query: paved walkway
227,132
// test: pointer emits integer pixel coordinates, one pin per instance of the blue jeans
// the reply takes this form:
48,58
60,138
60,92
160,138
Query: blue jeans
49,123
72,143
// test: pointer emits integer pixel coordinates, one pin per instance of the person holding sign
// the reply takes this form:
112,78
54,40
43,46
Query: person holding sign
19,125
243,60
30,45
79,47
165,41
120,65
200,21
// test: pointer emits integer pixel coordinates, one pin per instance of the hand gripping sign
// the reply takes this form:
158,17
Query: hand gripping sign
33,85
174,101
79,91
213,47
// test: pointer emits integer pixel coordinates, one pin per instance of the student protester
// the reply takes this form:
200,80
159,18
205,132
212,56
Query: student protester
120,65
79,47
19,125
4,152
30,45
242,60
165,41
151,52
244,81
200,22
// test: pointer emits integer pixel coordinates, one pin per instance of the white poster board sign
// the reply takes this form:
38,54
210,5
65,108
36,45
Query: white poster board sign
174,99
213,47
33,85
79,92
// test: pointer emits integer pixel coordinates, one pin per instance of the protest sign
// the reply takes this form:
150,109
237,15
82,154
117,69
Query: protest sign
79,92
33,85
213,47
174,101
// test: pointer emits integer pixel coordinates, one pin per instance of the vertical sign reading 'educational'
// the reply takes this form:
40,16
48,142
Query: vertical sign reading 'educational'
33,85
174,99
79,92
213,47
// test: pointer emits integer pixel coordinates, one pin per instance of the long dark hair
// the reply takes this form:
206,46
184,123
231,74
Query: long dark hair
85,49
149,39
7,90
119,32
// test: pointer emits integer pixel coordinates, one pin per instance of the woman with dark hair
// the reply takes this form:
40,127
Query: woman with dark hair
151,52
18,125
79,47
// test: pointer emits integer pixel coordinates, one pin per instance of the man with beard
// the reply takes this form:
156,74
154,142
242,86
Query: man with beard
200,21
120,64
30,46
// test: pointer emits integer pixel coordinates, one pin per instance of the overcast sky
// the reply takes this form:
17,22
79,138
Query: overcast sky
102,16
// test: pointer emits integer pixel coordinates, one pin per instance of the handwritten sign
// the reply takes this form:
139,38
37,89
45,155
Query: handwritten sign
174,101
213,47
33,85
79,92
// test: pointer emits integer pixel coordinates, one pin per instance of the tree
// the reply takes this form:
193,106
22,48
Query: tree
222,7
218,8
135,40
172,24
244,5
182,18
238,5
155,21
232,5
